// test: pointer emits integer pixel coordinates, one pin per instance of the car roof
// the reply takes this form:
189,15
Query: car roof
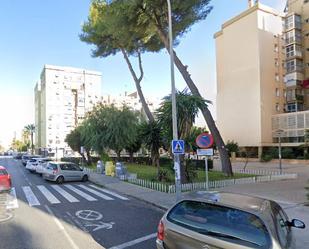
251,204
2,167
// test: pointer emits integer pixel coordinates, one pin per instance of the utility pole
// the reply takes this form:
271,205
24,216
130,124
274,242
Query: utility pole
174,109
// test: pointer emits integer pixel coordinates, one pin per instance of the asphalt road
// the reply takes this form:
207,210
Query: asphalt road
73,215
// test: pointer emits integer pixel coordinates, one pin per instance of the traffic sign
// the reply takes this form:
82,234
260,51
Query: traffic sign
204,140
178,147
205,152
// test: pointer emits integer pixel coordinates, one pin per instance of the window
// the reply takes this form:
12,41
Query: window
276,62
281,227
307,20
205,218
276,48
3,172
277,78
277,107
277,92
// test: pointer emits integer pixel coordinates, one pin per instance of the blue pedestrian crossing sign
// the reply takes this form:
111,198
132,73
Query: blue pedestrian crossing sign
178,147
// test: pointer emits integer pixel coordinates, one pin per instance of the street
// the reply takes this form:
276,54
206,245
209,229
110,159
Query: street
41,214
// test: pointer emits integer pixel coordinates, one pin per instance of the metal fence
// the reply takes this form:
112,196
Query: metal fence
163,187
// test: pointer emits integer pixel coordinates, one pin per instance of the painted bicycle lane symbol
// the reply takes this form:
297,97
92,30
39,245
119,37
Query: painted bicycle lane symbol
92,218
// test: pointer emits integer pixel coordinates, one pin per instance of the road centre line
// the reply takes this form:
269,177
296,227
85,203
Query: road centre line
61,227
134,242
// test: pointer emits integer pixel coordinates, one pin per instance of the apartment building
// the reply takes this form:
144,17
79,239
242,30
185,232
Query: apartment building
294,123
62,98
250,68
131,100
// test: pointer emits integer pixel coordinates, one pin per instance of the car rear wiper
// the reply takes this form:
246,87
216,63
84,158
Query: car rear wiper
226,236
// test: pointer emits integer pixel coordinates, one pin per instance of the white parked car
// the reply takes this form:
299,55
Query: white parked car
32,164
42,163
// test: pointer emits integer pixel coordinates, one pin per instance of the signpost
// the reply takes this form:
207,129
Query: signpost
204,141
178,148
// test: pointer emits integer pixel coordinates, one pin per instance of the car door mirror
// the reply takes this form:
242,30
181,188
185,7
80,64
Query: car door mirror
297,223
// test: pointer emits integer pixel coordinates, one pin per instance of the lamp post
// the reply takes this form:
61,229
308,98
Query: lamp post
174,110
279,132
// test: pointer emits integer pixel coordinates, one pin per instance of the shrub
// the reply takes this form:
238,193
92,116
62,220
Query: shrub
232,146
287,153
266,158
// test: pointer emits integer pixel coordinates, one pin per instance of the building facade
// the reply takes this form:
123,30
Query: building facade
62,98
250,87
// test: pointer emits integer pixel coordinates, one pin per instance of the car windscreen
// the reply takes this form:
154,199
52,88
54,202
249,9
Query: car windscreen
225,223
3,172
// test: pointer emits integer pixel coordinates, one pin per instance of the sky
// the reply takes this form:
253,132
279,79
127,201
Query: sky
35,32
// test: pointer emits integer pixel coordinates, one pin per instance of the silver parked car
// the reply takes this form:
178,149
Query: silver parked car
212,220
64,171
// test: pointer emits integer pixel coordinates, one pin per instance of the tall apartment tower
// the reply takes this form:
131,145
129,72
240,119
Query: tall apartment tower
62,98
250,68
297,55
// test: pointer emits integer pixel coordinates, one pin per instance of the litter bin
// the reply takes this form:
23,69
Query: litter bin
120,169
99,167
109,168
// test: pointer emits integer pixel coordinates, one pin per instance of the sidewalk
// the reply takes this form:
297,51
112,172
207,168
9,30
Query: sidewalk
153,197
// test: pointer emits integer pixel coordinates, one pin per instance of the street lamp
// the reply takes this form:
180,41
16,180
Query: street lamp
279,132
174,110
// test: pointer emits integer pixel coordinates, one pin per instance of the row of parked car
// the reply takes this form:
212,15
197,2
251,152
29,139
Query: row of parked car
54,171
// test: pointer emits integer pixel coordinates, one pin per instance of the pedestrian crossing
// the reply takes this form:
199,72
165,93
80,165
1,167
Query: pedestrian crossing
56,194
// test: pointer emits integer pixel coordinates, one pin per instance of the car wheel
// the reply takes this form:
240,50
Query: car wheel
85,178
60,180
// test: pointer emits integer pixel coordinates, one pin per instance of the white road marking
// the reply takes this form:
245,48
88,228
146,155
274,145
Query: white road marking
31,198
81,193
65,194
134,242
105,197
109,192
61,227
49,196
12,203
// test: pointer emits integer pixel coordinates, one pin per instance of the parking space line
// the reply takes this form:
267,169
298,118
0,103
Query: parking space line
65,194
31,198
61,227
134,242
105,197
49,196
109,192
81,193
12,204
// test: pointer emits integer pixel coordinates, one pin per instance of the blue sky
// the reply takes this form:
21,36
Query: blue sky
35,32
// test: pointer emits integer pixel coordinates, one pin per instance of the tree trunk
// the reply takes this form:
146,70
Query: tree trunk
138,83
89,161
131,157
225,160
118,156
32,143
183,167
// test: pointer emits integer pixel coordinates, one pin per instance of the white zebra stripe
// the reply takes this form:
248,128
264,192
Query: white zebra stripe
105,197
49,196
81,193
64,193
31,198
109,192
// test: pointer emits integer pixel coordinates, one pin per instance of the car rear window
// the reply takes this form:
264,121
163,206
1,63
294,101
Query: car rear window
3,172
52,166
221,222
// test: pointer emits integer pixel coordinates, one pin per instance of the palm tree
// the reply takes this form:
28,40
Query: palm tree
31,129
188,106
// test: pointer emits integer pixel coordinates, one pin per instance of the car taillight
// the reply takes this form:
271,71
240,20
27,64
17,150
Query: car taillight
9,177
160,234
